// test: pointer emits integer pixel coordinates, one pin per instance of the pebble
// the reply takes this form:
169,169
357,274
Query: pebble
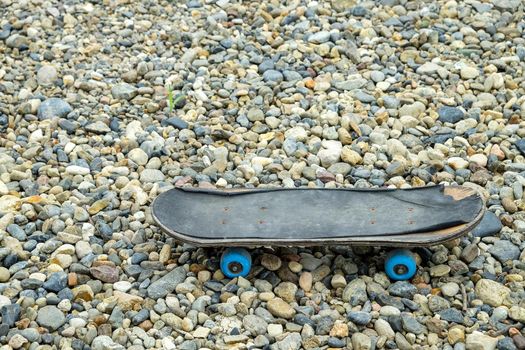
53,108
491,292
50,317
124,91
449,289
46,75
504,251
450,114
279,308
478,340
10,314
167,283
490,225
4,274
359,317
271,262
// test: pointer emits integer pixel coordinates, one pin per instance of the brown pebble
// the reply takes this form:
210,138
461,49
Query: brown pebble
509,205
513,331
291,257
475,278
519,341
146,325
196,268
97,263
506,220
305,281
225,296
271,262
515,119
435,291
105,329
72,279
100,319
23,323
451,244
287,275
105,273
310,84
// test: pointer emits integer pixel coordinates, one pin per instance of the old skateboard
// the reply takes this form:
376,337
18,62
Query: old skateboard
399,218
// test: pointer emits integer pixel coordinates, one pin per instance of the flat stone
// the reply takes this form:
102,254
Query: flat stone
451,315
255,325
177,123
359,317
410,324
280,308
450,114
53,108
490,225
479,341
46,75
319,37
124,91
151,175
491,292
10,314
355,292
506,5
50,317
504,251
402,289
167,284
105,273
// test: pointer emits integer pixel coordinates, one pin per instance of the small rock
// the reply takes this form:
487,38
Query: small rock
490,225
124,91
491,292
450,114
355,292
271,262
402,289
361,341
46,75
50,317
359,317
53,108
469,72
10,314
504,251
166,284
279,308
305,281
479,341
105,273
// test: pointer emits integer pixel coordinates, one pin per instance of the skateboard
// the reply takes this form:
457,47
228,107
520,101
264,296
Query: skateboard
399,218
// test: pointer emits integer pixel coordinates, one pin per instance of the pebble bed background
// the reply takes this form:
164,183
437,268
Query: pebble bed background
265,93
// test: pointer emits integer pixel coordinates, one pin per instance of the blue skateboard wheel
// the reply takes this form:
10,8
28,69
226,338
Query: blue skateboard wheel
236,262
400,265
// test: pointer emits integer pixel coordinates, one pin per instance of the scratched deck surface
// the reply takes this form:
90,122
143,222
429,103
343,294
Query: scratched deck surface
419,216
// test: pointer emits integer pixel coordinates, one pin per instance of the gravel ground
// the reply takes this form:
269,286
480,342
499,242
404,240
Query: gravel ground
340,93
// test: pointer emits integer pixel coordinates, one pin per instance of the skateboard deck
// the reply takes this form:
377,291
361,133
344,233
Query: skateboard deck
283,217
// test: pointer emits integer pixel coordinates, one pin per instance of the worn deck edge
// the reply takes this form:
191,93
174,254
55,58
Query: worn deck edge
424,239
